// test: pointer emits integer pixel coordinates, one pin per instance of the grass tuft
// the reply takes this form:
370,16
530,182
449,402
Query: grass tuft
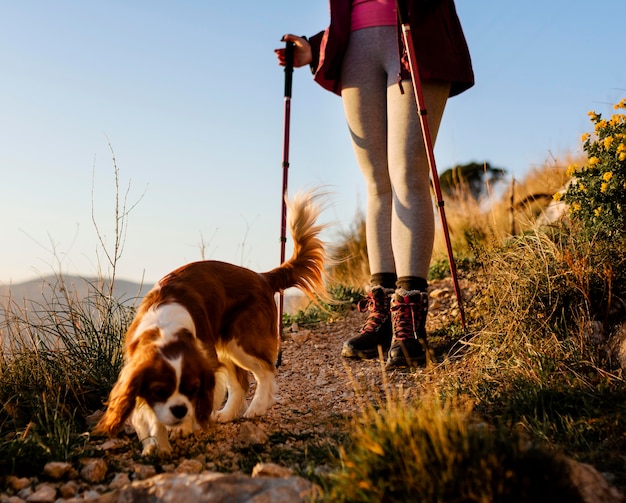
432,451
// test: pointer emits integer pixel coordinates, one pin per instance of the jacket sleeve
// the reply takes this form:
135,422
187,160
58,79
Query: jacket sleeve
315,41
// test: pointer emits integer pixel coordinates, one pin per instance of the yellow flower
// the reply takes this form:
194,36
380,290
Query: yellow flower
600,125
597,211
607,176
585,137
581,187
608,141
617,119
622,156
571,170
621,147
592,115
557,196
621,104
593,161
575,206
604,187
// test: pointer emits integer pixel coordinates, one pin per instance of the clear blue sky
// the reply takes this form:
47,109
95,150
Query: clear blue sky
190,97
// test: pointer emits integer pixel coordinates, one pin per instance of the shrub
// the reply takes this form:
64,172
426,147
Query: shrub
597,194
431,452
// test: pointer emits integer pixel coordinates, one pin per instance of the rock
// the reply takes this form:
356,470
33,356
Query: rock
143,472
56,470
212,487
69,489
189,466
113,444
44,494
271,470
119,480
17,483
93,469
90,496
439,292
301,337
592,485
92,419
251,434
619,341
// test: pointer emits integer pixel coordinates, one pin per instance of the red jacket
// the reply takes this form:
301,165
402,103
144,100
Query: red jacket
440,46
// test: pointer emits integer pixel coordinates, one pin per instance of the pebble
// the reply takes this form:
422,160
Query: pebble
143,472
69,489
119,480
56,470
45,493
17,483
189,466
93,470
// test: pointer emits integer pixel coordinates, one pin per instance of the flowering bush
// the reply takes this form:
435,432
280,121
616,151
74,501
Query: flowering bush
597,194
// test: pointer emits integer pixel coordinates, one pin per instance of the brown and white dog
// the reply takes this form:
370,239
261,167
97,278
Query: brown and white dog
200,331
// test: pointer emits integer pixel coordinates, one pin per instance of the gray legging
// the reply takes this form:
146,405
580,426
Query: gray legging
387,140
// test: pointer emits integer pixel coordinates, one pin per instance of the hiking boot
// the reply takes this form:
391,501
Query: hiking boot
409,347
376,332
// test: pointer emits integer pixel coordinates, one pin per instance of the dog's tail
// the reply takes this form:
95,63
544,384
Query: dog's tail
305,268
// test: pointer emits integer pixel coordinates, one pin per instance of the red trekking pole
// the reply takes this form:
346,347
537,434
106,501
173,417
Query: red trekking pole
289,51
405,25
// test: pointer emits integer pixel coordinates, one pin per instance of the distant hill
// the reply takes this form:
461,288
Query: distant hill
42,290
36,302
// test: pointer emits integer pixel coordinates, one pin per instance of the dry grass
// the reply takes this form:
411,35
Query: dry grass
539,359
508,210
434,451
536,373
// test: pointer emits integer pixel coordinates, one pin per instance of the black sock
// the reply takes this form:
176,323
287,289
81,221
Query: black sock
412,283
384,279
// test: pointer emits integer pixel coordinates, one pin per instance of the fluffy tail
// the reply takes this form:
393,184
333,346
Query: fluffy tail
305,268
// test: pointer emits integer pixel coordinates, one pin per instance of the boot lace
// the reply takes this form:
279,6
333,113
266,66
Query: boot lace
378,312
406,318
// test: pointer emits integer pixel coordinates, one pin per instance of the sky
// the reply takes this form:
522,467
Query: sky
184,101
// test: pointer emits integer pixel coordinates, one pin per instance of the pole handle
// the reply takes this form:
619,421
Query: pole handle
289,53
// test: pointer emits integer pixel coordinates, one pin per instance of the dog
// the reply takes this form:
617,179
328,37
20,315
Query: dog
201,331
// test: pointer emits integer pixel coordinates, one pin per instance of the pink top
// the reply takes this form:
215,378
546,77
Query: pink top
368,13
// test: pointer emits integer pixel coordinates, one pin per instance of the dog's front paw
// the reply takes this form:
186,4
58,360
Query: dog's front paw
222,416
183,431
259,406
257,411
151,447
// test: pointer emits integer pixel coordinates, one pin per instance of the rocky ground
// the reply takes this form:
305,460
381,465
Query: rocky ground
273,458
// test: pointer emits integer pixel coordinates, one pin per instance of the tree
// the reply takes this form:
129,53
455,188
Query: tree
473,177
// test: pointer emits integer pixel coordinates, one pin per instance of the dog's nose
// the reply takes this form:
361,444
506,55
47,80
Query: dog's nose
179,411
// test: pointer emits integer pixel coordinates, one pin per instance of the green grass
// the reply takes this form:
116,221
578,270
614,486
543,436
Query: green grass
62,357
342,297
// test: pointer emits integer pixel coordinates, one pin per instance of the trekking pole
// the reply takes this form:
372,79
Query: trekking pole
405,25
289,50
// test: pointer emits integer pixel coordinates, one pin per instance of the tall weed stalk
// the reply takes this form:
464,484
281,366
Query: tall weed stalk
60,354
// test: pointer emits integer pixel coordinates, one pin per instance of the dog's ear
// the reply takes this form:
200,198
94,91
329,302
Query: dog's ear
205,399
121,400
